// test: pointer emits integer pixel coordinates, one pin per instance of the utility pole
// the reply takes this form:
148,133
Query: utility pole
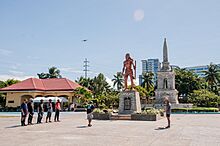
86,66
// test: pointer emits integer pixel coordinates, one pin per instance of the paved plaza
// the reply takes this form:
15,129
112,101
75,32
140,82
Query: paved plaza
186,130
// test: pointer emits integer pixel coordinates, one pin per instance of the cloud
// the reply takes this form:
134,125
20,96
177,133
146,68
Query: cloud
14,74
5,52
138,15
71,70
5,77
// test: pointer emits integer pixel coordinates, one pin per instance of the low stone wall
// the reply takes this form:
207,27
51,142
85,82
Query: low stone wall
101,116
145,117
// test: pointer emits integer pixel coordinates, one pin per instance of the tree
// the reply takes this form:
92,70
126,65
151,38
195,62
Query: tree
118,81
82,95
4,84
204,98
43,76
148,81
187,81
212,77
53,72
10,82
86,82
100,85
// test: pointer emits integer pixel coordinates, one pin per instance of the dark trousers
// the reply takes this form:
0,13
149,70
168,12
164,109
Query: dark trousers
40,116
57,114
48,116
23,118
30,117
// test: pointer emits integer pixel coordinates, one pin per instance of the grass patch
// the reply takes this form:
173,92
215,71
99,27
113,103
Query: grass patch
196,109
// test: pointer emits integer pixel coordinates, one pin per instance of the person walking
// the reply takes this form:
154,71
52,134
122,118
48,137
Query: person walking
40,111
167,110
57,111
24,112
49,110
30,106
90,108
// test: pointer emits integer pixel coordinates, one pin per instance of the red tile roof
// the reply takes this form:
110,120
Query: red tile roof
55,84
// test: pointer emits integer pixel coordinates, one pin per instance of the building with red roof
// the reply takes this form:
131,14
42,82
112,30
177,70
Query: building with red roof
33,87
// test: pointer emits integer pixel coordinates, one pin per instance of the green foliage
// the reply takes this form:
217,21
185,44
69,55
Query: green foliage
118,81
86,82
204,98
53,72
98,110
195,109
108,101
187,81
83,96
142,91
151,111
4,84
98,85
212,76
148,81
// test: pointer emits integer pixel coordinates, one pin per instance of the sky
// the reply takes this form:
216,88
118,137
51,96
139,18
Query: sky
36,35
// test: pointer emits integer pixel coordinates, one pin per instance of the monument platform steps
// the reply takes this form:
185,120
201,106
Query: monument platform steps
121,117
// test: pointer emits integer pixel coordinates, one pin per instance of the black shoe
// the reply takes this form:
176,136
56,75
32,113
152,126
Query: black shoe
50,121
167,127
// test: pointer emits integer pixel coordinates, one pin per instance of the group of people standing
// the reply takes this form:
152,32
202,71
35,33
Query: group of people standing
27,109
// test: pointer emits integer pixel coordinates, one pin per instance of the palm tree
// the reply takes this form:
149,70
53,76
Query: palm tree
54,72
147,80
118,80
212,76
43,75
85,82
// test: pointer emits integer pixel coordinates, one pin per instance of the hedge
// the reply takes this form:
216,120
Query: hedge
195,109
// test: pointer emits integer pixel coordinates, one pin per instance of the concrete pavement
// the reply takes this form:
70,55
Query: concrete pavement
186,130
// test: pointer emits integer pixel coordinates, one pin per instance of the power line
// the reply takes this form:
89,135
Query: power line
86,66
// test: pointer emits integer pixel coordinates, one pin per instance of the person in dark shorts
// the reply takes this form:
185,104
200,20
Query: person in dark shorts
49,110
90,108
24,112
40,111
57,111
30,106
167,110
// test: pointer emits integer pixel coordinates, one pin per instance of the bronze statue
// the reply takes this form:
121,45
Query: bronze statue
128,71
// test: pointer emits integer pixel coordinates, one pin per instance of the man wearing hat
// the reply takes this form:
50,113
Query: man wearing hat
40,111
49,110
30,106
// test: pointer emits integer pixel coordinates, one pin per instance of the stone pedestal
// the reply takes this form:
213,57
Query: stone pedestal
129,102
171,94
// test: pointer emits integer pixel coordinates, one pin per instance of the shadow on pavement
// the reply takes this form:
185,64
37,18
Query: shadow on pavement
82,126
15,126
161,128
